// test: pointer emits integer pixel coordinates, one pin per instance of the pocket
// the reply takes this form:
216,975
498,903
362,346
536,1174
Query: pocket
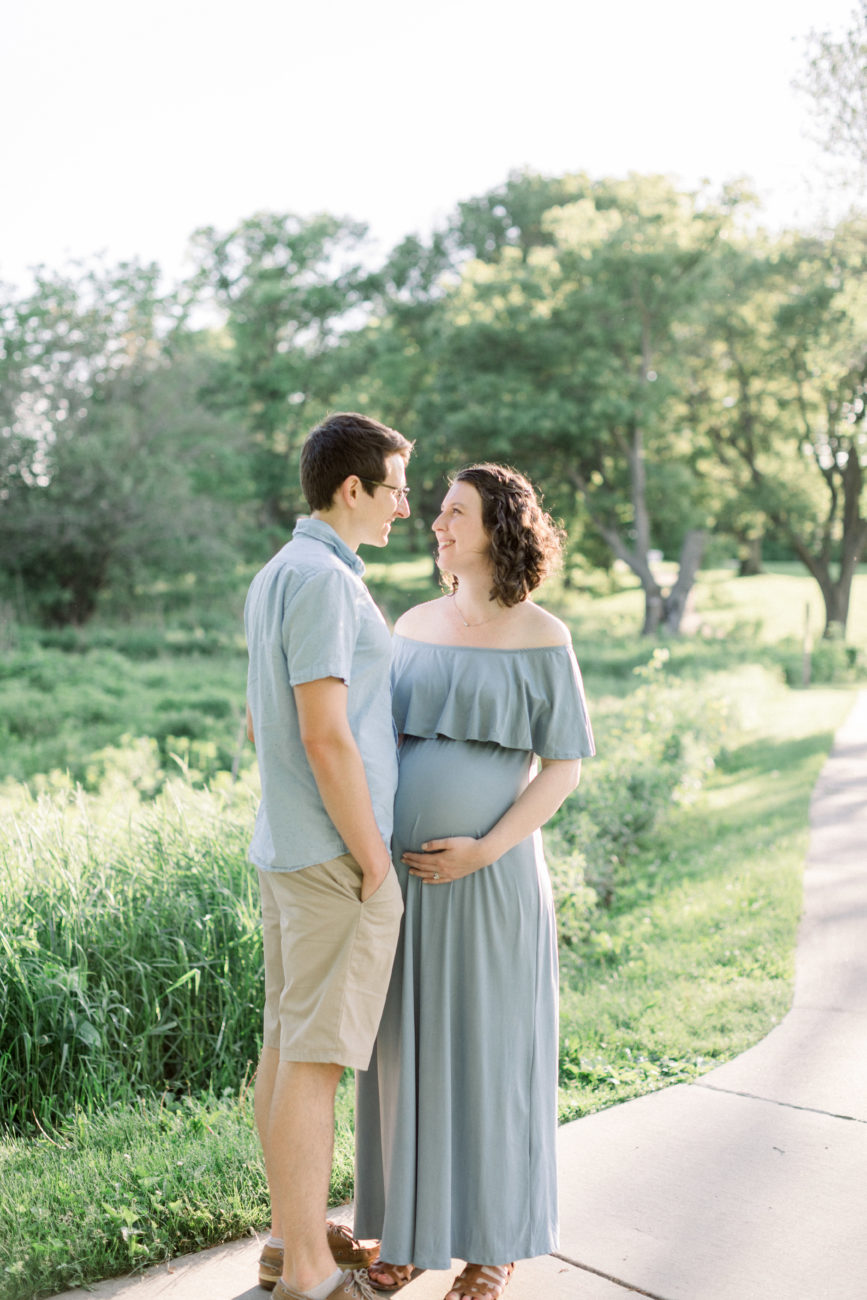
388,896
345,877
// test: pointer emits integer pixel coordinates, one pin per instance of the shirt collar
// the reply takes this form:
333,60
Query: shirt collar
322,532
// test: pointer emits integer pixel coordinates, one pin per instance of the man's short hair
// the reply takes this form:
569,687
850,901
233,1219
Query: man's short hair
343,444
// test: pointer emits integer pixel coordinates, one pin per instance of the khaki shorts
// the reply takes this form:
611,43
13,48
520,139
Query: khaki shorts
328,960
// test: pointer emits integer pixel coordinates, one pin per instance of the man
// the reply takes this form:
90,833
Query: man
319,707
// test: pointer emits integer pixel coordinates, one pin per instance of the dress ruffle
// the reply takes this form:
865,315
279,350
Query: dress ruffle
523,699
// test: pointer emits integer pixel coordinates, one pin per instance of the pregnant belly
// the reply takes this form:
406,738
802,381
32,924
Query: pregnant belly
454,787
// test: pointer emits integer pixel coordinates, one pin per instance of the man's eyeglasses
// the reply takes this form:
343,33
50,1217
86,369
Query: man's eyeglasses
400,494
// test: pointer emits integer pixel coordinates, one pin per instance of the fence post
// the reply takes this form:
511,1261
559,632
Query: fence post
806,665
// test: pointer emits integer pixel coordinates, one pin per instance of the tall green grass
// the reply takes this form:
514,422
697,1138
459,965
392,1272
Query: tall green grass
130,946
688,962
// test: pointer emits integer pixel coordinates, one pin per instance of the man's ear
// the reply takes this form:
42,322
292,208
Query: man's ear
349,491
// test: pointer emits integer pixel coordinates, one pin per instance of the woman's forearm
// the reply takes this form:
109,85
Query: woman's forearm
533,807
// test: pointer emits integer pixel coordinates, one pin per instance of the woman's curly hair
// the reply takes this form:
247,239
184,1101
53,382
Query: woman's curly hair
526,543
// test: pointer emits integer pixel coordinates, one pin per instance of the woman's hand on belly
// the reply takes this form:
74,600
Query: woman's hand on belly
443,861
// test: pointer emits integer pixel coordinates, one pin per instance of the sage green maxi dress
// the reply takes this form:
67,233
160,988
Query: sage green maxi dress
456,1116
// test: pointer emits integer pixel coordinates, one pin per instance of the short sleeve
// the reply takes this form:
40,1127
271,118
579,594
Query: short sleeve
320,627
562,729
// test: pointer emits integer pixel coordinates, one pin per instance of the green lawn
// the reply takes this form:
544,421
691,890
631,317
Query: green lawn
696,958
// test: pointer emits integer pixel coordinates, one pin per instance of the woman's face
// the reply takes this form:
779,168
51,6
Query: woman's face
463,545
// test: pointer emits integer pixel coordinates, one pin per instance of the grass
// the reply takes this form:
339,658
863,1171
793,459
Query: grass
696,957
768,607
105,1195
59,708
136,962
779,603
144,878
66,696
100,1196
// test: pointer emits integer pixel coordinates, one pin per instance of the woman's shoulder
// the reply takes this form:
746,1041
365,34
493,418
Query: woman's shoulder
526,627
538,629
422,620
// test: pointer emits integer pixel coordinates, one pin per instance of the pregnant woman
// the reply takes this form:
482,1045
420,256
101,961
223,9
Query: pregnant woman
456,1116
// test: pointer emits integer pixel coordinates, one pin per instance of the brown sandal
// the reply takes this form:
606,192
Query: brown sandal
487,1280
347,1252
401,1273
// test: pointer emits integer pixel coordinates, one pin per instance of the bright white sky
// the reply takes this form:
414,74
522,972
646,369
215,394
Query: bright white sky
127,125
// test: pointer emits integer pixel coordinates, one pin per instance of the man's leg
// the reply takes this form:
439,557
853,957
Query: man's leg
333,1010
262,1094
299,1147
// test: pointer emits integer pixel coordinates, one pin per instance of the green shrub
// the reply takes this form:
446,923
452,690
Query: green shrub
215,706
656,749
830,662
575,902
58,710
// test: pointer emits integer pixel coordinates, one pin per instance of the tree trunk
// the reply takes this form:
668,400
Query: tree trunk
853,544
751,559
845,481
690,561
835,593
654,609
661,611
836,598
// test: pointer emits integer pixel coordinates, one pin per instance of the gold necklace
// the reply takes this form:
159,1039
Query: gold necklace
454,601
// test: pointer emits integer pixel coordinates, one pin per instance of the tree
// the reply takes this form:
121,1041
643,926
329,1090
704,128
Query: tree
835,81
388,364
99,433
563,353
287,289
780,394
512,215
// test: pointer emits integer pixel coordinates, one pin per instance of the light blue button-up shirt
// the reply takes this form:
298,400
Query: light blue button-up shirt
308,615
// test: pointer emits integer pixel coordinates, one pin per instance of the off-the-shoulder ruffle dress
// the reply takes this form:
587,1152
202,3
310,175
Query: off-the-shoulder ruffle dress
456,1116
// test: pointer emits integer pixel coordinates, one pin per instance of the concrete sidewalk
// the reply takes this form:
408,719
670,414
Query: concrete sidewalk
750,1184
